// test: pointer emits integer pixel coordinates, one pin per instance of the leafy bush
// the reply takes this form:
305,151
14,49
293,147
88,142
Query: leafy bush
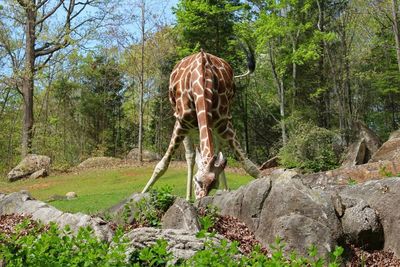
156,255
53,247
150,210
310,148
207,220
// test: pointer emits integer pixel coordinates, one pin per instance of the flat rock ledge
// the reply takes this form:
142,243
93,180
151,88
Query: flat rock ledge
182,243
23,204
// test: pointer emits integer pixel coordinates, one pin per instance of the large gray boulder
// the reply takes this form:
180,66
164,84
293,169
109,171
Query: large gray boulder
281,205
301,216
390,150
361,225
23,204
383,196
29,165
183,244
181,215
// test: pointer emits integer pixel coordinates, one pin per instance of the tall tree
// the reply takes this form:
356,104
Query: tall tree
44,27
207,24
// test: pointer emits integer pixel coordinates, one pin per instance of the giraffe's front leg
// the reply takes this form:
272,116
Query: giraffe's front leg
223,179
222,176
228,134
177,137
190,160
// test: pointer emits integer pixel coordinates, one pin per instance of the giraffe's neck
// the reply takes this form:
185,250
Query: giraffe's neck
202,89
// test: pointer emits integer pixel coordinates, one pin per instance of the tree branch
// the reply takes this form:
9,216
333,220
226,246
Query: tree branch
50,50
51,12
41,3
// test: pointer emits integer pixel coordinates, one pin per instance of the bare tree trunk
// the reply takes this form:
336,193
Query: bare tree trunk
396,32
294,70
282,111
281,94
28,84
141,86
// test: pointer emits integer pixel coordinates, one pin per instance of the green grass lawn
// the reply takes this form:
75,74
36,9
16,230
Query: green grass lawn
99,189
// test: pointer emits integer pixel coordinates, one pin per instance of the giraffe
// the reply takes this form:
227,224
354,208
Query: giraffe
201,89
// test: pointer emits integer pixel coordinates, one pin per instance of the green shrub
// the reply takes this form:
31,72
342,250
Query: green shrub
156,255
207,219
150,210
53,247
309,148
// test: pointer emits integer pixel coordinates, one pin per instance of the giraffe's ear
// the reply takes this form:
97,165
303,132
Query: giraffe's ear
221,161
199,160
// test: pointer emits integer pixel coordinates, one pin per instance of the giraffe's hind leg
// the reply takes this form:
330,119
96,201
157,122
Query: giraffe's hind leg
228,134
177,137
190,160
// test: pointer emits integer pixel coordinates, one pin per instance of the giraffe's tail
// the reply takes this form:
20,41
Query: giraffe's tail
251,61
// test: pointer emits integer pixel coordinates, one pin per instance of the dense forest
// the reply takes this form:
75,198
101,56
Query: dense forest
90,78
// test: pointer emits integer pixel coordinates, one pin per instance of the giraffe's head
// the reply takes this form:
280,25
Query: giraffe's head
207,176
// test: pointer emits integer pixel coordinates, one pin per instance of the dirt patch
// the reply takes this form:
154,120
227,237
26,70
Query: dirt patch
375,258
8,224
235,230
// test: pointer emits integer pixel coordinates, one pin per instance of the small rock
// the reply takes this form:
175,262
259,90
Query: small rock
39,174
71,195
181,215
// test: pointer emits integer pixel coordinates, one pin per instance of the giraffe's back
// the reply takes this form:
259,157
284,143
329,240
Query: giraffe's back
199,77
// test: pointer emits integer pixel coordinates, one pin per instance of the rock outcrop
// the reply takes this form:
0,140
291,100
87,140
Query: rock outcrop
283,206
305,211
29,165
22,203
